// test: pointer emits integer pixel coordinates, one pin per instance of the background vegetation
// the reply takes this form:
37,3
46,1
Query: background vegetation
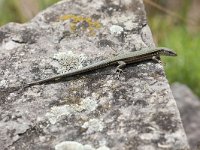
177,27
170,28
21,10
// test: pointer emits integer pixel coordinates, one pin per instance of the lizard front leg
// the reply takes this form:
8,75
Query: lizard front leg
156,59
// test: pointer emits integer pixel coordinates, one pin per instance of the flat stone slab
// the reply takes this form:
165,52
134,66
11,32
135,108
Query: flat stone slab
99,110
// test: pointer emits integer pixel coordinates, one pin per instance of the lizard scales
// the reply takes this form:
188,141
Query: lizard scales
127,58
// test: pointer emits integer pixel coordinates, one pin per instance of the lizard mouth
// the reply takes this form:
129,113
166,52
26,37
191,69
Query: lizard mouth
172,54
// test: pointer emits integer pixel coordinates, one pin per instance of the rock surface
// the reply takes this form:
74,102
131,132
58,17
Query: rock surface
98,110
189,107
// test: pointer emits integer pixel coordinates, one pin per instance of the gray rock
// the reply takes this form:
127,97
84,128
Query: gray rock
189,107
99,110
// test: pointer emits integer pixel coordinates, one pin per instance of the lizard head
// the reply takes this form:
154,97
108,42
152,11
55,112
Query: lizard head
166,51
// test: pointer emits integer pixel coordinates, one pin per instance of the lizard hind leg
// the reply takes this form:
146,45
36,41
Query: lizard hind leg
120,67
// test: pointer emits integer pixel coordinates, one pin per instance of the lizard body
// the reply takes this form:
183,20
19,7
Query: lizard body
126,58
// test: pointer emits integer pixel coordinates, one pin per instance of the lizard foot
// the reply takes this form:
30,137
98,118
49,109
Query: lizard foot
158,60
119,69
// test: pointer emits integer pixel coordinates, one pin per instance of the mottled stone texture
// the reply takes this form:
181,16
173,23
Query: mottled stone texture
99,110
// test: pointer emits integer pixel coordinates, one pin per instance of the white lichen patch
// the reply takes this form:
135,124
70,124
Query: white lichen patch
17,38
3,83
149,136
93,125
172,139
69,145
10,45
73,145
126,20
116,30
129,25
57,112
103,148
68,61
146,147
89,104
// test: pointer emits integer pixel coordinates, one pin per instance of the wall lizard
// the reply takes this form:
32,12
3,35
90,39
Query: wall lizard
122,60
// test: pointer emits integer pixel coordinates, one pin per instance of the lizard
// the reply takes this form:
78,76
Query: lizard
121,59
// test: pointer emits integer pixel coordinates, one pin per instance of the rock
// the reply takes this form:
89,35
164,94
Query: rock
189,107
101,109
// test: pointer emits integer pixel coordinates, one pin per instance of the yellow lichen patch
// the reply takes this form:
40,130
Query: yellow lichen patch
78,22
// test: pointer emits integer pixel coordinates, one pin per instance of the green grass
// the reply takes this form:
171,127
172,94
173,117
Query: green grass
10,10
185,68
45,3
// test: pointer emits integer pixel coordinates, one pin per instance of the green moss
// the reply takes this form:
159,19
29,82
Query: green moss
80,22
